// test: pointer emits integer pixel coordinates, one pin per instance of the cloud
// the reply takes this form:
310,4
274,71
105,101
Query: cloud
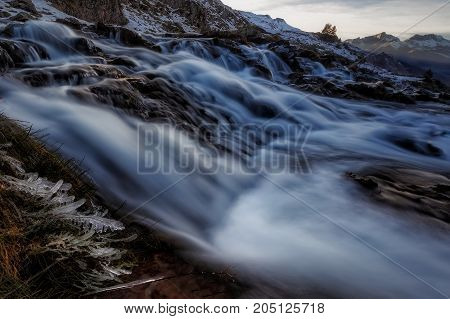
343,3
355,4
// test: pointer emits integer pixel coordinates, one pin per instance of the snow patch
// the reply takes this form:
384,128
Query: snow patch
287,32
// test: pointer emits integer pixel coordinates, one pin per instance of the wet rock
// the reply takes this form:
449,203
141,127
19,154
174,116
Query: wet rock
331,60
70,75
199,284
407,189
4,14
124,35
231,45
22,17
319,85
8,31
419,147
263,109
400,97
85,46
123,61
5,61
365,181
292,54
155,100
118,93
433,85
22,52
427,96
288,53
26,5
432,90
108,71
166,102
260,70
70,22
444,96
379,91
35,78
14,52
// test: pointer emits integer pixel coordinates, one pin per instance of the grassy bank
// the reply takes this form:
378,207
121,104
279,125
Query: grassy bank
55,238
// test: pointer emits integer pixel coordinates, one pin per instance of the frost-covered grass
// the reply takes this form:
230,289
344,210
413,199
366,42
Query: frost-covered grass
55,241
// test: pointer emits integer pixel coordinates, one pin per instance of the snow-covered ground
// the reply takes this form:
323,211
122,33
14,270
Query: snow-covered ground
44,7
49,12
144,22
168,16
287,32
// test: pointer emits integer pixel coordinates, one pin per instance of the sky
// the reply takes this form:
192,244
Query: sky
357,18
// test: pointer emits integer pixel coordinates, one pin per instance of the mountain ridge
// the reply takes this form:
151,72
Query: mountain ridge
415,40
429,51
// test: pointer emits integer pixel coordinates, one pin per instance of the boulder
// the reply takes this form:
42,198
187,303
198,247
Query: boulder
122,61
118,93
4,14
26,5
378,91
69,75
409,190
124,35
71,23
85,46
5,61
22,17
21,51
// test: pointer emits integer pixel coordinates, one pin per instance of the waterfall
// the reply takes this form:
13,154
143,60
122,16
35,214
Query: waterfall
294,230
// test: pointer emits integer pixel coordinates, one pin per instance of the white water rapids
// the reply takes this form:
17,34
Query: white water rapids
298,233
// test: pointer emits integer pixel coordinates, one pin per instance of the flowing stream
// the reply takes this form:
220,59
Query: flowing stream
296,232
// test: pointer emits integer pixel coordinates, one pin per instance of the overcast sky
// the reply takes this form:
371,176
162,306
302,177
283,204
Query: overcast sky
355,18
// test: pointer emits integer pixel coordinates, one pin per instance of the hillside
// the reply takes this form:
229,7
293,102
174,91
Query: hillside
422,51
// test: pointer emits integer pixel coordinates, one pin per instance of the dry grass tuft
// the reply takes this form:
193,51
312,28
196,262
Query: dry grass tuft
52,244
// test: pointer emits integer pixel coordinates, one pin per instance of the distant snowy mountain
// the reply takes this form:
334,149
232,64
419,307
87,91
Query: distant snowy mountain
424,51
429,41
377,42
383,41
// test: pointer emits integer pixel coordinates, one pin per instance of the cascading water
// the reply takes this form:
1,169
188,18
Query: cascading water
298,233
